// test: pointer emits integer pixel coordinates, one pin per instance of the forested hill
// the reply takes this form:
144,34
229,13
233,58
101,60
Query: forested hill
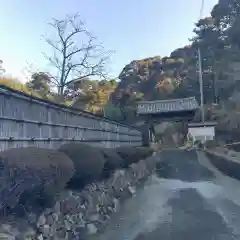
174,76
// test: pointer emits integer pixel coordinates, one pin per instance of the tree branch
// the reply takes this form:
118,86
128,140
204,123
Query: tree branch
54,61
72,57
60,29
74,33
52,44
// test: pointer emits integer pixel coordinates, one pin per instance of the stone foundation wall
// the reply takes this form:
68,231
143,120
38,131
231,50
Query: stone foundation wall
77,215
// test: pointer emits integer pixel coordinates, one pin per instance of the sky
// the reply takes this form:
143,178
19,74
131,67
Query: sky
134,29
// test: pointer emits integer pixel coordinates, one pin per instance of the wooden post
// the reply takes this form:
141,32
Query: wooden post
145,134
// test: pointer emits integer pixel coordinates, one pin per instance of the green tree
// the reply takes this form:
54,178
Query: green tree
208,39
113,112
92,95
40,82
216,53
226,15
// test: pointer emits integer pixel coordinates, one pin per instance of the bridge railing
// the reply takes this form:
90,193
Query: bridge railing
30,121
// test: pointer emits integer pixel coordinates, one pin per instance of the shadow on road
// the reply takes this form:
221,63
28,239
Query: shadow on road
182,165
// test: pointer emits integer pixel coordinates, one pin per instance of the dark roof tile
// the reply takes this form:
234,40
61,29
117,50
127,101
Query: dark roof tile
171,105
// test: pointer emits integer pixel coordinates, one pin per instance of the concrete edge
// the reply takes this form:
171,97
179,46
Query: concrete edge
224,163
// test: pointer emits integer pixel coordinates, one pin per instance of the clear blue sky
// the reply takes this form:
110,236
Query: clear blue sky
135,29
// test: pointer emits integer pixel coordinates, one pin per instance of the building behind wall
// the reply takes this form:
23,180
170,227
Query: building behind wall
201,131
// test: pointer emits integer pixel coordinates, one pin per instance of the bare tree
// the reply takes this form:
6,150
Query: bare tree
76,53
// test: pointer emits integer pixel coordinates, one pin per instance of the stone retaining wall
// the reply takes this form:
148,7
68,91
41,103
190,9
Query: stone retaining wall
225,162
77,215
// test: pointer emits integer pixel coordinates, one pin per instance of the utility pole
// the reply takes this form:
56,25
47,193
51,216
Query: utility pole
200,72
215,93
201,84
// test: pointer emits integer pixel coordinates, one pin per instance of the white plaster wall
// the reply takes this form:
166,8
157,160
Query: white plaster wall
202,133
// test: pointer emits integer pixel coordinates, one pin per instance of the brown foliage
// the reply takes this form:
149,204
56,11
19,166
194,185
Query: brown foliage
32,174
17,85
88,162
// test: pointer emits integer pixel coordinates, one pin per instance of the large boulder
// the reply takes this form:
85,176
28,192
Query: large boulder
32,175
88,162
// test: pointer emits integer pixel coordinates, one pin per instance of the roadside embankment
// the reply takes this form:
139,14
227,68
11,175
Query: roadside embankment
69,193
234,146
225,160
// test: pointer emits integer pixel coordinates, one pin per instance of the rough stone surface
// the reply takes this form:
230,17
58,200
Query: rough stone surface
76,214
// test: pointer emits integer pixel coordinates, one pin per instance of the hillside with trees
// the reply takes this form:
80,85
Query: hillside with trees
176,76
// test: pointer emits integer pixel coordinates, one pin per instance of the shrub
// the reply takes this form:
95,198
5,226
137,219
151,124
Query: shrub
88,162
32,174
144,152
113,161
17,85
128,154
133,154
